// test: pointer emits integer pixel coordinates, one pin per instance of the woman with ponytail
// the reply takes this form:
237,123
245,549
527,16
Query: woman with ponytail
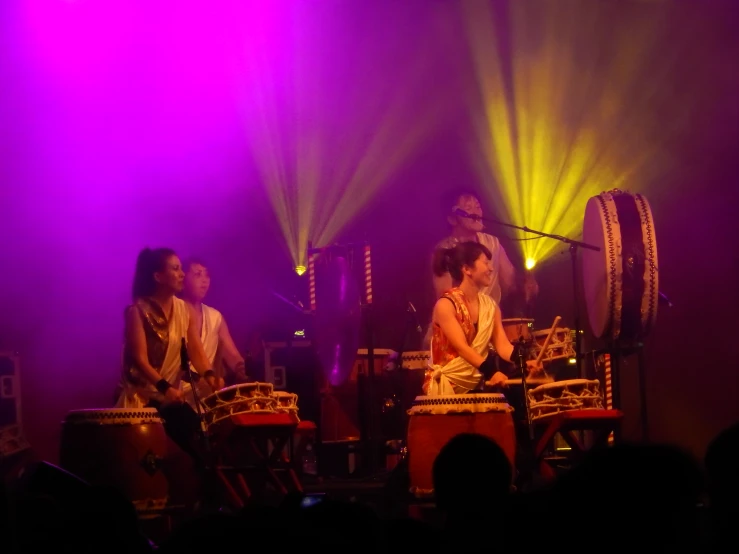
465,321
156,324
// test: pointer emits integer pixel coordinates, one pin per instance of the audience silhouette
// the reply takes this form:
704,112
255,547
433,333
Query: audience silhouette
625,496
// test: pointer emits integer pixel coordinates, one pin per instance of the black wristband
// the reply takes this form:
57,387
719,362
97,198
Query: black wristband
487,368
208,374
163,385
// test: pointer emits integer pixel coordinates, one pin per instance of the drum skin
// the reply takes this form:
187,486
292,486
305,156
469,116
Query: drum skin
621,281
429,433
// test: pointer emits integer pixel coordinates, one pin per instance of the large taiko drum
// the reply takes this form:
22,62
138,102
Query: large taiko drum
621,281
120,448
415,360
563,396
435,420
251,398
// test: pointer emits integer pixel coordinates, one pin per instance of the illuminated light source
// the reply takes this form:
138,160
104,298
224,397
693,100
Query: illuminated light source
299,333
300,269
530,263
572,361
557,122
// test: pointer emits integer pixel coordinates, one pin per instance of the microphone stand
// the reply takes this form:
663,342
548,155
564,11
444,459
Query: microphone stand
190,378
573,246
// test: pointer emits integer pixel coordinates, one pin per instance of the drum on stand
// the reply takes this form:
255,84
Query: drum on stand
563,396
254,398
120,448
515,397
435,420
560,347
621,281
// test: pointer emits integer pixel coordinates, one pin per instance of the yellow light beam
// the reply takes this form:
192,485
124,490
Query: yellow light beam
572,98
323,161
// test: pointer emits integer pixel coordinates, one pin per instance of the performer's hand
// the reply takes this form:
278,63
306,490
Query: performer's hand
534,368
173,396
498,378
215,383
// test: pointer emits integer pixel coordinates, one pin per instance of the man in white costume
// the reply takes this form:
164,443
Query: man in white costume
465,218
217,343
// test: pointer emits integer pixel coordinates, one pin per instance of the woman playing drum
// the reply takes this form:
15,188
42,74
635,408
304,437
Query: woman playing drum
156,325
465,321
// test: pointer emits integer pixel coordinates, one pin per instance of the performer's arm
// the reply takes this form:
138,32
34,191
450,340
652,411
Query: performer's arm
196,352
446,317
136,345
506,272
234,360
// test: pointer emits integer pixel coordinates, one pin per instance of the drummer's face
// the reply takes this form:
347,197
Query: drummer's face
171,277
197,282
482,272
471,205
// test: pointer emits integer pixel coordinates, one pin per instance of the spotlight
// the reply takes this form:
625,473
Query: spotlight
572,361
530,263
300,269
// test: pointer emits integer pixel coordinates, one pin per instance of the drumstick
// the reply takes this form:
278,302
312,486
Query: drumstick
548,339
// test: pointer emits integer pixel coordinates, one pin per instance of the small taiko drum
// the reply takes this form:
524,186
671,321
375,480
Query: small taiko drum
621,280
561,346
562,396
252,398
286,402
518,328
435,420
415,360
121,448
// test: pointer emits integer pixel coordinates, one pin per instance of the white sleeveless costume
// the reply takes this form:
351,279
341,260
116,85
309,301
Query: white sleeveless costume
135,395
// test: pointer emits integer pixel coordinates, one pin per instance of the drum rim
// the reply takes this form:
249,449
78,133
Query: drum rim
546,386
517,320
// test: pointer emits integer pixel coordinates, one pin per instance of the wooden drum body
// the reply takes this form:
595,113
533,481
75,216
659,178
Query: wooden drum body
121,448
621,281
518,328
562,396
435,420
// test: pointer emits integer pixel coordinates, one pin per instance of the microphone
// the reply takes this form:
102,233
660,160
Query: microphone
188,377
412,310
459,212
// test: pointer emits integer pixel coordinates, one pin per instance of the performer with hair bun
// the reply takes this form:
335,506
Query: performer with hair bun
465,322
155,325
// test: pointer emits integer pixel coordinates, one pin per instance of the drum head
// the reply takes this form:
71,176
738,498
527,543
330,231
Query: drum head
598,294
